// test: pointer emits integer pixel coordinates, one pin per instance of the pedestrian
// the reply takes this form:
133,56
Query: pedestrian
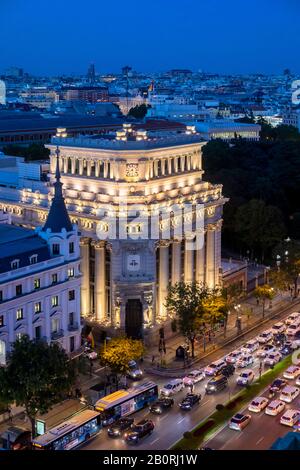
257,301
153,359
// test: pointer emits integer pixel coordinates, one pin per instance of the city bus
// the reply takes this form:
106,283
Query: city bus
125,402
70,433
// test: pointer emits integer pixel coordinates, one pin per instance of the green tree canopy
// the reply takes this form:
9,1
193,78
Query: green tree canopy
37,376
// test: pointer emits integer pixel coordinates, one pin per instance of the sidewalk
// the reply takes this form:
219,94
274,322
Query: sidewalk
219,338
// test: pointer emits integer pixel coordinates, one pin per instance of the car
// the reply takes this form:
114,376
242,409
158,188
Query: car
258,404
117,428
171,388
295,344
216,384
292,372
289,393
245,360
250,346
279,339
278,328
138,431
161,405
275,407
293,329
189,401
246,377
233,356
214,367
290,418
227,370
292,318
265,349
134,373
193,377
265,337
286,349
272,358
239,421
278,385
298,382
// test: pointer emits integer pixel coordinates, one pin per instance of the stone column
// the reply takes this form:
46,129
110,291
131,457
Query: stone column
210,256
200,259
176,164
188,162
97,168
182,162
73,165
111,170
81,166
85,271
88,167
189,259
155,167
99,290
163,280
176,261
163,166
65,167
169,166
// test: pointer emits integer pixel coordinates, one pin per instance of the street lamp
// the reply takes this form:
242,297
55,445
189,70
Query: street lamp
278,259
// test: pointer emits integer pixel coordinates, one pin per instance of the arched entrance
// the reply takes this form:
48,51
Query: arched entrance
134,319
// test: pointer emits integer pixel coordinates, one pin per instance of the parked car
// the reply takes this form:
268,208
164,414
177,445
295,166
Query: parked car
138,431
239,421
250,346
272,358
117,428
161,405
265,337
258,404
275,407
245,360
246,377
216,384
233,356
193,377
173,387
292,372
214,367
189,401
290,418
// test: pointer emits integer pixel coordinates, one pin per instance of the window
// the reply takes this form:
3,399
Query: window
38,332
71,318
15,264
54,278
37,307
37,283
1,320
55,325
19,289
54,301
71,295
71,272
33,259
19,315
55,249
72,343
71,247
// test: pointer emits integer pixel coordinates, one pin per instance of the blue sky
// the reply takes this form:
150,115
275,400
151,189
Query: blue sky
227,36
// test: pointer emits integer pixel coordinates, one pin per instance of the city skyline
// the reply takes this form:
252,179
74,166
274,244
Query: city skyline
177,37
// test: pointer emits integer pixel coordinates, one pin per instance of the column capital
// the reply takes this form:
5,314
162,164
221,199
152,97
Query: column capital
84,241
163,243
98,244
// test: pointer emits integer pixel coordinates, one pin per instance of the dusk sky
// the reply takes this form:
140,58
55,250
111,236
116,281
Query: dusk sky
226,36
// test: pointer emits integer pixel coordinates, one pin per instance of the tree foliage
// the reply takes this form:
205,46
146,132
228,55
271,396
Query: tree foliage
31,152
37,376
289,262
138,111
117,353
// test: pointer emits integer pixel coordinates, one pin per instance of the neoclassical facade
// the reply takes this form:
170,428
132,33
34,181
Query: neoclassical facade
146,216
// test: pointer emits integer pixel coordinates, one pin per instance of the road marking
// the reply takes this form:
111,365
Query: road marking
259,440
180,421
153,442
100,368
205,402
163,417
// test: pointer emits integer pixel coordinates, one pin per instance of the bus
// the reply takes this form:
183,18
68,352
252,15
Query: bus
70,433
125,402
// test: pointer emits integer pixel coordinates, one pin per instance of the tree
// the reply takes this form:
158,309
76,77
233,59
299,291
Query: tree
288,252
37,376
259,226
279,279
117,353
231,295
138,111
264,292
194,305
32,152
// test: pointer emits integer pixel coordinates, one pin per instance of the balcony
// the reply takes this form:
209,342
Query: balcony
57,334
73,326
